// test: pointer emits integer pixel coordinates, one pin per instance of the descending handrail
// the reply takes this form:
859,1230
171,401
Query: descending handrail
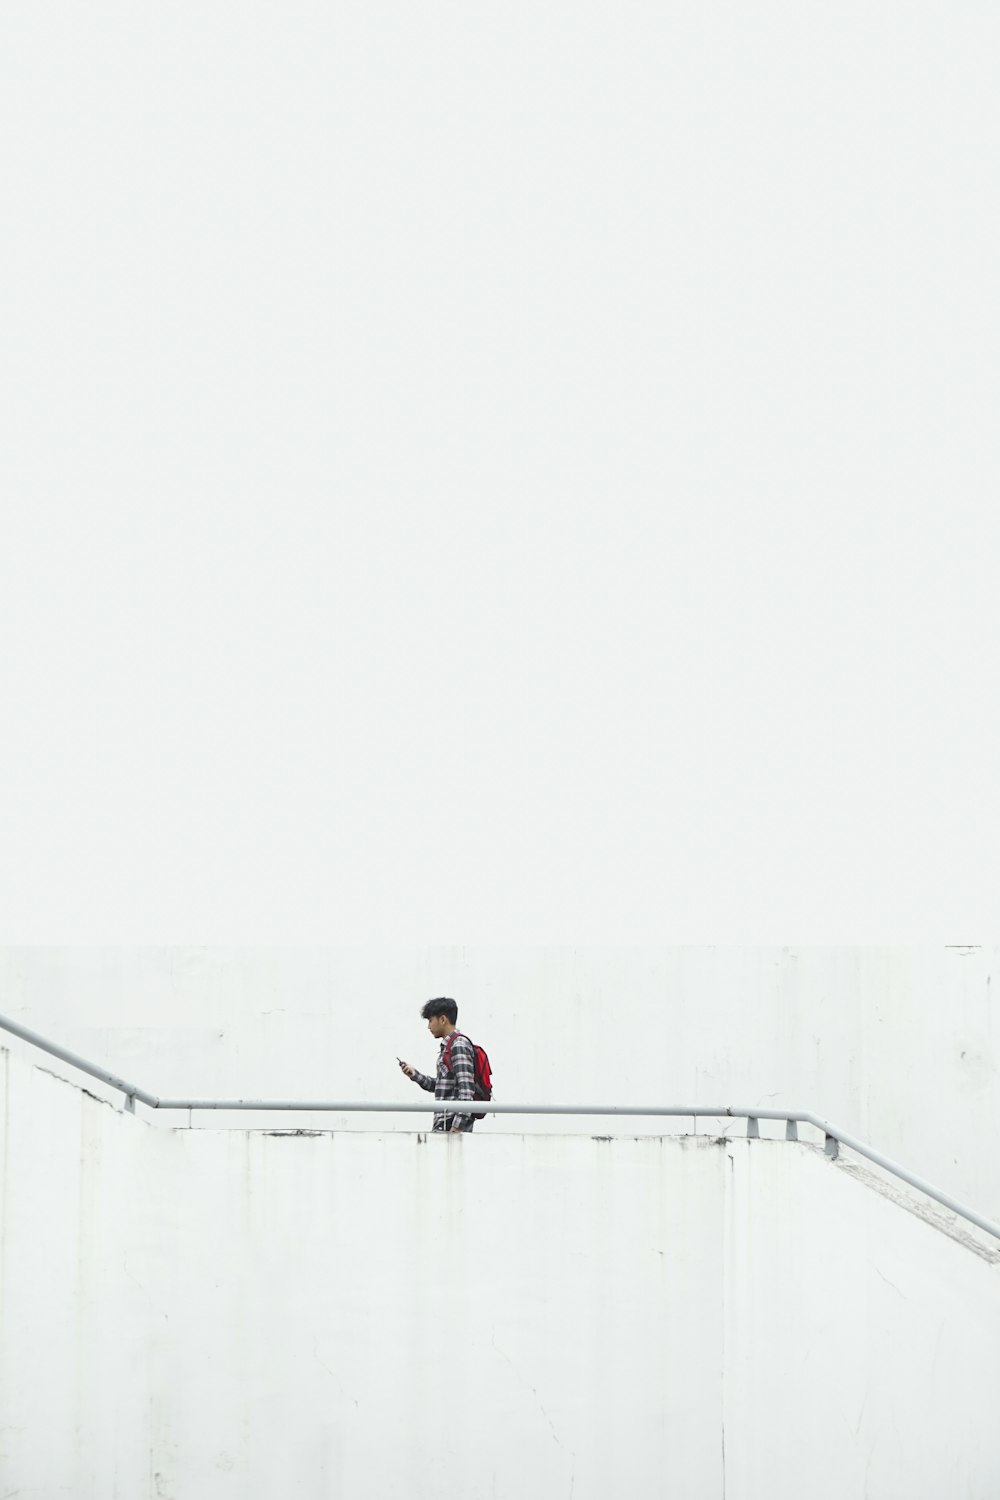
833,1135
131,1091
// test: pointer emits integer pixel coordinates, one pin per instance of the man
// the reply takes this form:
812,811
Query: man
455,1081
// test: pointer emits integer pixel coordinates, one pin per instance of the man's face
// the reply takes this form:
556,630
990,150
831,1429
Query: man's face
436,1026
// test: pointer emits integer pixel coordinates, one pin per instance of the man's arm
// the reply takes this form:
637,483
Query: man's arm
463,1066
425,1083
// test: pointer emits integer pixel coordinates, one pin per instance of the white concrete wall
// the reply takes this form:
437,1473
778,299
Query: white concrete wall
197,1315
895,1045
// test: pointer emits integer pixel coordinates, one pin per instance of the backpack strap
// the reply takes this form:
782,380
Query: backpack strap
448,1046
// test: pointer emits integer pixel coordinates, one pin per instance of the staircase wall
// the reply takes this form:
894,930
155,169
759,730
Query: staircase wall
197,1315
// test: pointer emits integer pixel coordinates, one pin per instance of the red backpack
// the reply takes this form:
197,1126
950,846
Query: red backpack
483,1087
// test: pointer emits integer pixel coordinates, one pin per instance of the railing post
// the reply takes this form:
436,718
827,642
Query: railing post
832,1147
753,1128
791,1130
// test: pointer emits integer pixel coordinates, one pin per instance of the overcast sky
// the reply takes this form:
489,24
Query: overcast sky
498,472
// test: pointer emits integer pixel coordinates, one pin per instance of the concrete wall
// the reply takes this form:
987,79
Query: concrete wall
896,1045
197,1315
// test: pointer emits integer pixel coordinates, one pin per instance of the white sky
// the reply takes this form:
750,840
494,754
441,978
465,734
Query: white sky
498,472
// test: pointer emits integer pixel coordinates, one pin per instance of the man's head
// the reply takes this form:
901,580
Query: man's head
440,1016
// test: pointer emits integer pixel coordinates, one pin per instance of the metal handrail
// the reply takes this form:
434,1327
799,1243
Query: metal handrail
131,1091
833,1135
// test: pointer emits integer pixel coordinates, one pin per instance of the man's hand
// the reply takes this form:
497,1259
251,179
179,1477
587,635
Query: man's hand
410,1072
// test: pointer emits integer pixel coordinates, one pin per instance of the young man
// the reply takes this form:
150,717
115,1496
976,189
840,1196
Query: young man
454,1082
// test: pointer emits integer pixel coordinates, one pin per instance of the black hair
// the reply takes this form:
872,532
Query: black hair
441,1007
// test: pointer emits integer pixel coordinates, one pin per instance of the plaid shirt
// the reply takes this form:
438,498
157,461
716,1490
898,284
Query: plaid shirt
456,1082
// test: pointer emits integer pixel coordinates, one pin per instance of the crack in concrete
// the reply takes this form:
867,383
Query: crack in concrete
144,1291
892,1284
333,1376
541,1408
72,1083
723,1458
